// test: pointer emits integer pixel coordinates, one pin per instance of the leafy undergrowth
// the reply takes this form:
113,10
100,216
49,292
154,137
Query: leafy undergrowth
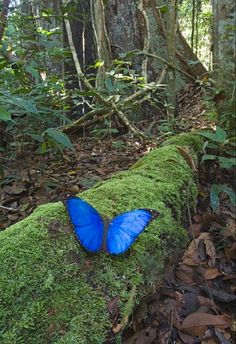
31,179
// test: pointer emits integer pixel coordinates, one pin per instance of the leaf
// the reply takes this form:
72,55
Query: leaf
4,115
211,273
43,147
98,64
219,135
211,145
214,194
59,137
34,72
226,162
27,105
186,154
215,201
202,319
230,193
163,9
37,138
209,157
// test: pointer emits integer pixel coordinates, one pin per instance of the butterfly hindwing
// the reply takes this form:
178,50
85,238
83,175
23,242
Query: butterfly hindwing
125,228
88,224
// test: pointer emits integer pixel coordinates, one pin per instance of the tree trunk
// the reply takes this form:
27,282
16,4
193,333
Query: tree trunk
52,291
3,17
171,48
224,57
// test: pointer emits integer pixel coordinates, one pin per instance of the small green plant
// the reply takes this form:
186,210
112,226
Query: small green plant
219,148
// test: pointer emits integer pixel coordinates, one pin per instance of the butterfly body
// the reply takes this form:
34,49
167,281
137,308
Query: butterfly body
115,236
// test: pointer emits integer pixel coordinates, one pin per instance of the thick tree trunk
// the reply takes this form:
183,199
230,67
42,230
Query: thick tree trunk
52,291
224,56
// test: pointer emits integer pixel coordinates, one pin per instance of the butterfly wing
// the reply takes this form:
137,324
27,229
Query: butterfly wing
125,228
88,224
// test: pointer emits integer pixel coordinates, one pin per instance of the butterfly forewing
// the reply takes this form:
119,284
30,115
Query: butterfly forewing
88,224
125,228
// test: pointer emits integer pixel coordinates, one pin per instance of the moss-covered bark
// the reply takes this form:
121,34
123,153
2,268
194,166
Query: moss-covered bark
52,291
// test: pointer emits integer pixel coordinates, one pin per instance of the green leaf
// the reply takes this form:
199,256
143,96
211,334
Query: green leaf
34,72
4,115
27,105
209,157
59,137
43,147
230,193
163,9
226,162
219,135
37,138
215,190
212,145
99,64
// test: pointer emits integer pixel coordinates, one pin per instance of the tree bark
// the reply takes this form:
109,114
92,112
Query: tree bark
3,17
224,58
171,48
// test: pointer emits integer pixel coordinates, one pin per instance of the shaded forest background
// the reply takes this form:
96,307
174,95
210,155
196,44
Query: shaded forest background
116,62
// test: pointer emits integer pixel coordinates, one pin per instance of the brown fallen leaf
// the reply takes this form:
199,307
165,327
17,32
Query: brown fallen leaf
230,230
187,339
210,251
190,256
196,251
205,301
230,251
186,154
211,273
197,319
185,274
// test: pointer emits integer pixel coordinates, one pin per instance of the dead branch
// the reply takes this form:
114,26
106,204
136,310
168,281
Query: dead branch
133,100
170,65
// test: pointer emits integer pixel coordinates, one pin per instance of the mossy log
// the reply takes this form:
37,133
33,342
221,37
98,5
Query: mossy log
52,291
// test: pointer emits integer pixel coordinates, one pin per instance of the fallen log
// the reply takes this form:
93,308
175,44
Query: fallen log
52,291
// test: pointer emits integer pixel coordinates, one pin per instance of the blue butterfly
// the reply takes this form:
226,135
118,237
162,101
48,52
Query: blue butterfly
114,237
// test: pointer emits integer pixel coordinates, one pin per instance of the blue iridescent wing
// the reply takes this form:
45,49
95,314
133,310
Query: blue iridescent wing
125,228
88,224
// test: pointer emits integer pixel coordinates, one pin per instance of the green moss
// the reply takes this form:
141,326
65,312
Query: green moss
52,291
192,141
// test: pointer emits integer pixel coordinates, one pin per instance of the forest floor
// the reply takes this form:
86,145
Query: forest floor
193,302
